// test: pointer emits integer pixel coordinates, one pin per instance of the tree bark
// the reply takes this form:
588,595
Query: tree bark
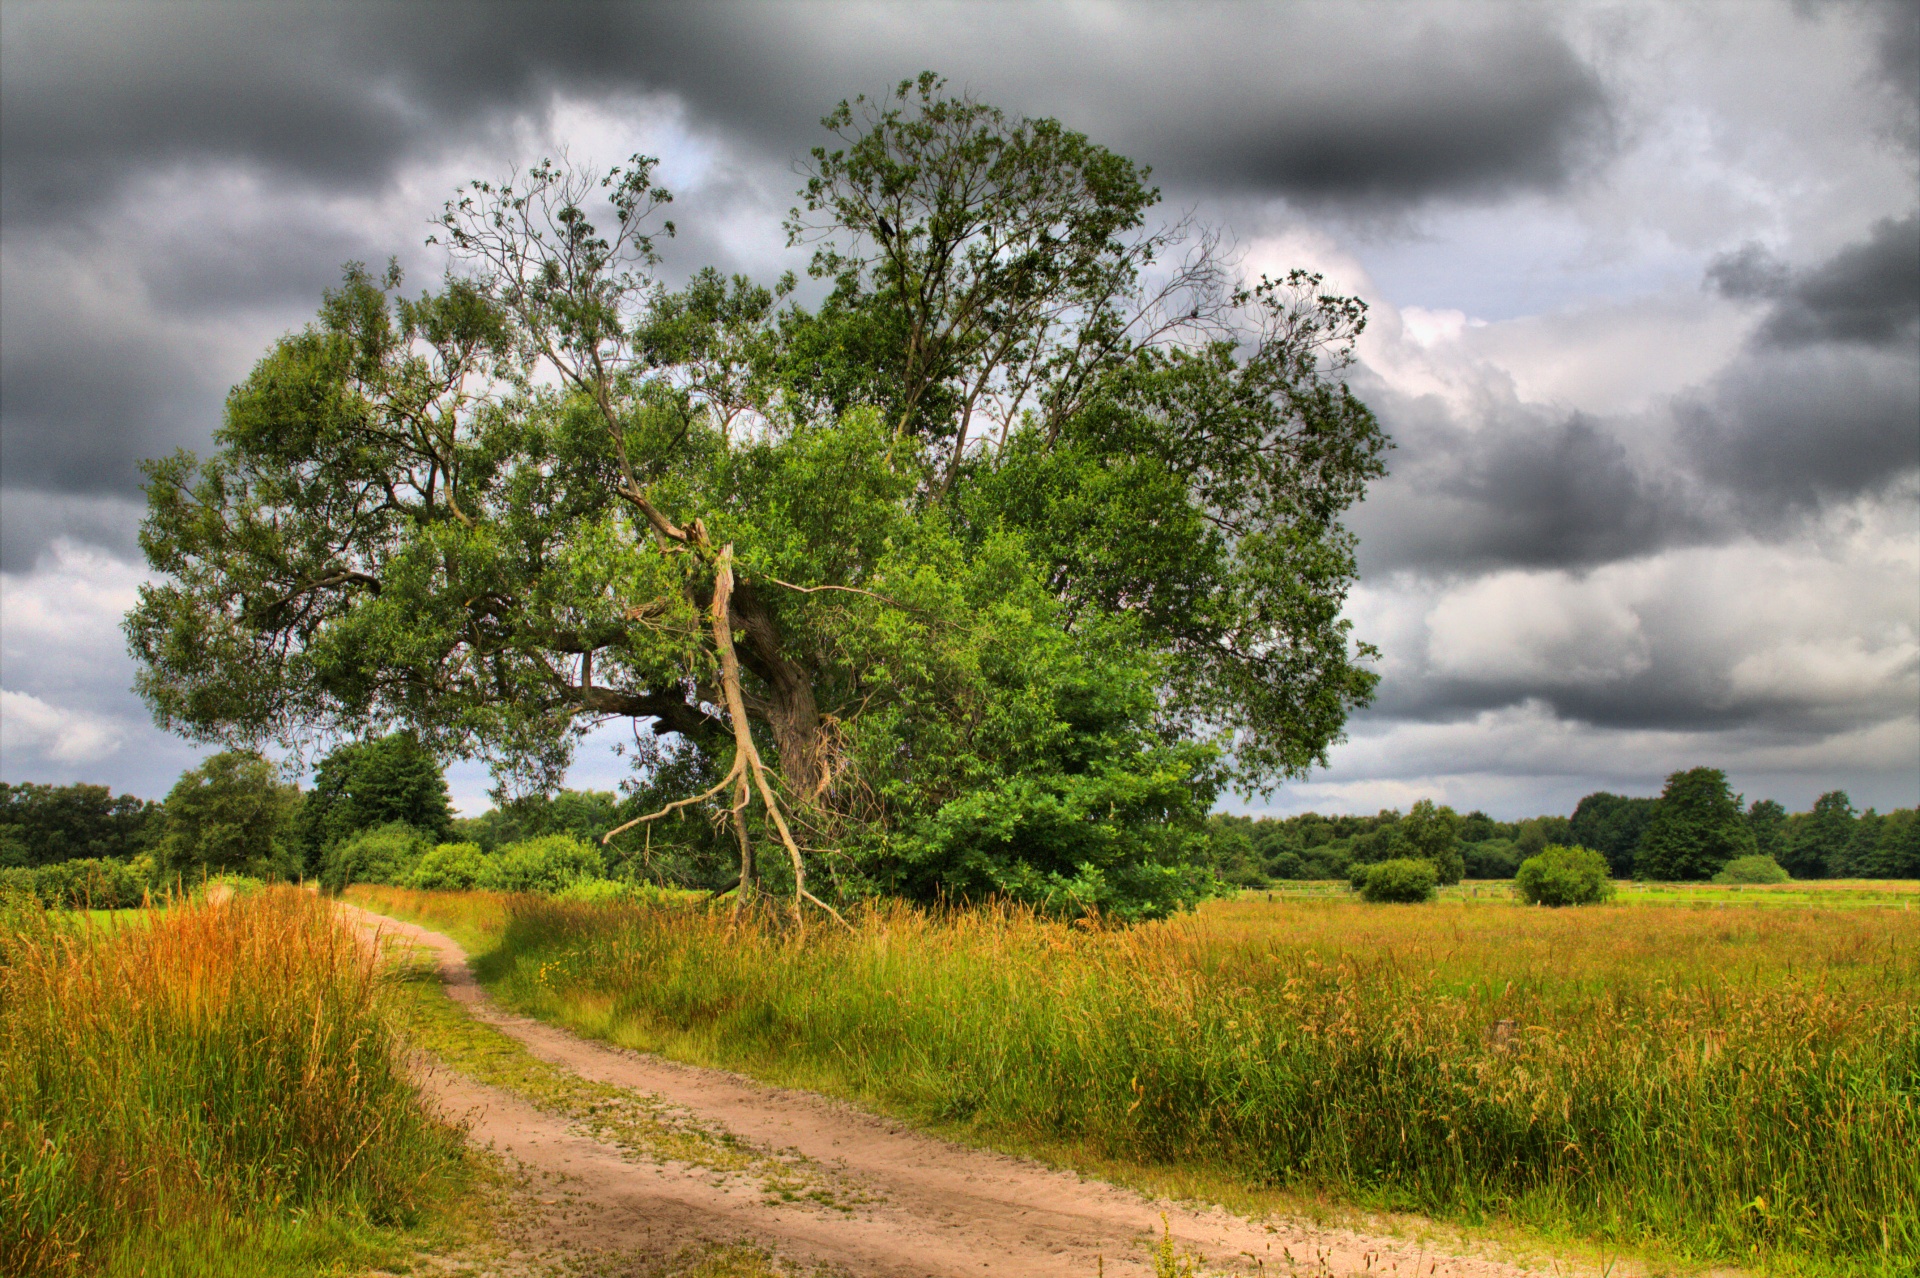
792,715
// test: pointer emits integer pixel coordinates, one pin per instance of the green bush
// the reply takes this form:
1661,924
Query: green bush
1564,876
384,854
451,867
16,881
546,864
88,883
1404,879
1752,869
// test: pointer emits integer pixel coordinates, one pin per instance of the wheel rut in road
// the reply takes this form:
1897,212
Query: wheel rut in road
820,1183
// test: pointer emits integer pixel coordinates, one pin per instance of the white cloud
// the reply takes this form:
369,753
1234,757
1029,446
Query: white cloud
1549,628
68,713
32,726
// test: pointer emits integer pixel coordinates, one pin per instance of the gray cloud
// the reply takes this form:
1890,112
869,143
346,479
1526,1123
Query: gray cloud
1521,488
1515,109
1301,101
1823,404
1788,432
1867,293
32,520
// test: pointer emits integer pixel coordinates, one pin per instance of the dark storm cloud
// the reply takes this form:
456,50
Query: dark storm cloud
1785,432
1824,404
1514,110
110,114
31,521
1219,96
1522,489
1866,294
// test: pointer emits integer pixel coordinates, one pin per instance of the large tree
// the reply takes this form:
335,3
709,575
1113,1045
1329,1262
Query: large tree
1817,840
1697,827
978,578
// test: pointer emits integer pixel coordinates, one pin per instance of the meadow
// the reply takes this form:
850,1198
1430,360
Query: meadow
1723,1084
206,1089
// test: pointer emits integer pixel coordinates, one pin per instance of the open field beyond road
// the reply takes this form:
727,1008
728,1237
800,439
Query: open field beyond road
1731,1085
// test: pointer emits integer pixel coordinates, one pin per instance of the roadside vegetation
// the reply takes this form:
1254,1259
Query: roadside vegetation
1703,1086
209,1089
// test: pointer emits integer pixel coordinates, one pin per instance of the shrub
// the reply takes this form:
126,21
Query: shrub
450,867
384,854
89,884
1752,869
1564,876
16,882
546,864
1404,879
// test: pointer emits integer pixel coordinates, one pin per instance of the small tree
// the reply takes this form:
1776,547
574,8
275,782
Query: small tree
233,815
1564,876
383,854
363,784
450,867
1697,827
1433,834
1612,825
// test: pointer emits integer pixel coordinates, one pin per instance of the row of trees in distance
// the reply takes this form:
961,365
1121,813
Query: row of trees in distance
1691,832
378,808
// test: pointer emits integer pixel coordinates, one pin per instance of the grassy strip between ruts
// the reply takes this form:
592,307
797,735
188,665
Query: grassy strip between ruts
1701,1087
214,1091
641,1125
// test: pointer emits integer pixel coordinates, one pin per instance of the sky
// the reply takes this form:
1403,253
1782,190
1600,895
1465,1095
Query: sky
1645,325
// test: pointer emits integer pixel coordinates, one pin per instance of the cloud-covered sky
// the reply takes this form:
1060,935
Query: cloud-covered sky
1645,283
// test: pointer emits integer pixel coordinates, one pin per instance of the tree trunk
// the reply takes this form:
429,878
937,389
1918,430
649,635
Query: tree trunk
792,713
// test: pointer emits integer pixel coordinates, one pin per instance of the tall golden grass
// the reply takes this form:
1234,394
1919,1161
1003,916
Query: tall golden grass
192,1074
1722,1085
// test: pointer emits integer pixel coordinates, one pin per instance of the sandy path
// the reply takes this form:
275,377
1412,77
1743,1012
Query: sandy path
931,1207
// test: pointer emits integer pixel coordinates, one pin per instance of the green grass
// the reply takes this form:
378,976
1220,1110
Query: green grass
641,1125
216,1089
1703,1086
1823,893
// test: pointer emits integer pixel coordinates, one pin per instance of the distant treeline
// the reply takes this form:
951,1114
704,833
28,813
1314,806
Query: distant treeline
1830,840
374,812
379,805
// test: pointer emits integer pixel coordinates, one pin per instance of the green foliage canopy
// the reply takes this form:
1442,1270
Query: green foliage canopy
1003,559
1403,880
1697,827
1817,843
1759,868
231,815
1560,876
1612,825
46,824
362,784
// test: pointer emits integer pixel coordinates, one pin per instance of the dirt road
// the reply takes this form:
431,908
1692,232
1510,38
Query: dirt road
818,1182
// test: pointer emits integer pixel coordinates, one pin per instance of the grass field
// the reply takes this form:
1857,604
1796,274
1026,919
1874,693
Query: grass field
205,1090
1737,1083
1828,893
